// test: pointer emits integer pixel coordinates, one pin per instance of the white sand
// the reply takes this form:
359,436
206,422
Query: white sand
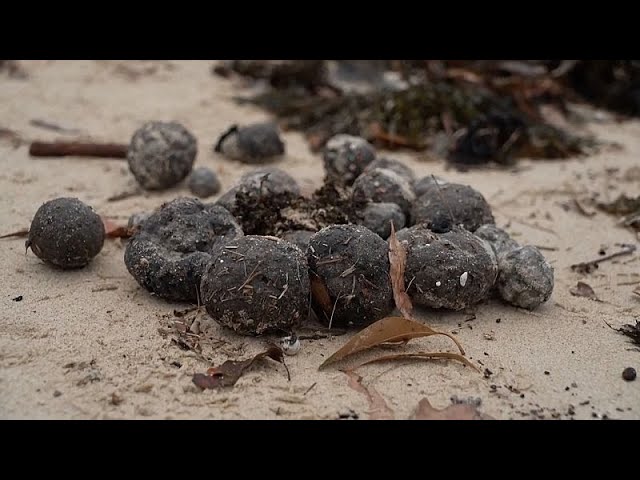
62,320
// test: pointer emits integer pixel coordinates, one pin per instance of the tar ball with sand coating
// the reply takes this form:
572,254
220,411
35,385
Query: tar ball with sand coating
452,270
203,182
66,232
256,285
161,154
378,217
345,158
382,185
452,204
172,247
349,270
392,164
526,278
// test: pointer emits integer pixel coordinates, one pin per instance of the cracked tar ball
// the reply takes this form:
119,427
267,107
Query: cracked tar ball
395,165
161,154
377,217
345,158
252,143
203,182
526,278
257,285
382,185
349,273
66,233
263,180
169,252
438,204
452,270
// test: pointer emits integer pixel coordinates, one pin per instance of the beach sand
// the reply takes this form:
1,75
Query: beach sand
87,344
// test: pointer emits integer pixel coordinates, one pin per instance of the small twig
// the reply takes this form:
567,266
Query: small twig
331,260
52,126
310,388
542,247
333,311
80,149
251,276
453,220
20,233
587,266
124,195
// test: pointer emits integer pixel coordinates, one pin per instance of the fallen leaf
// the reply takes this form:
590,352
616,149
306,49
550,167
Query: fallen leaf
420,356
460,411
20,233
378,408
320,294
398,262
227,374
583,290
112,230
387,330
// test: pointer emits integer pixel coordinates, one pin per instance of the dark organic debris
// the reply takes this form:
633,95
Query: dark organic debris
456,411
631,331
588,267
227,374
583,290
113,230
53,126
495,112
17,299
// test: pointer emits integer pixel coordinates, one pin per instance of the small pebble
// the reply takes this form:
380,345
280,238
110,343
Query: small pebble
203,182
629,374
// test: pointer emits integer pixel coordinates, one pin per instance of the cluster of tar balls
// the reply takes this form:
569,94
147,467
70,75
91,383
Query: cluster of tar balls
188,250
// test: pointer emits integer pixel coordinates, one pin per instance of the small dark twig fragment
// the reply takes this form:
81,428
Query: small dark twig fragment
588,267
80,149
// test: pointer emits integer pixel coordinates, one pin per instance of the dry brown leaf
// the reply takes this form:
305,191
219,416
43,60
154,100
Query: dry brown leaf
113,230
378,408
420,356
583,289
461,411
398,262
387,330
227,374
20,233
320,294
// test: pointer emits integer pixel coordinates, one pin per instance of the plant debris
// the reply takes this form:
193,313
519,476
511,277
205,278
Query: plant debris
398,264
457,411
24,232
496,113
378,408
583,290
631,331
387,330
227,374
420,356
588,267
113,230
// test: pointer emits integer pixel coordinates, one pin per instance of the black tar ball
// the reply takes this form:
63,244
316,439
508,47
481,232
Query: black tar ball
169,252
439,203
395,165
349,271
204,182
345,158
66,233
377,217
382,185
452,270
257,285
161,154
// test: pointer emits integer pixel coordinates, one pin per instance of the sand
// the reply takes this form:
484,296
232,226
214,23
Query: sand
86,344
